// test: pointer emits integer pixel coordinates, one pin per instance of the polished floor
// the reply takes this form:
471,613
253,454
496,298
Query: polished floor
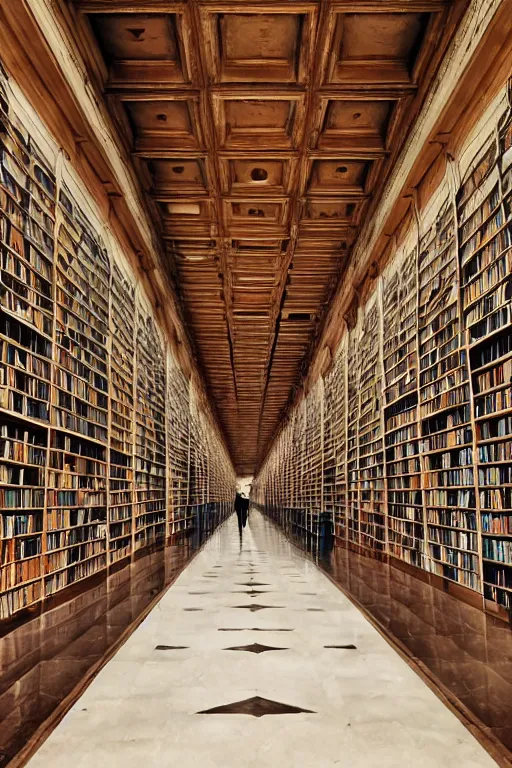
254,658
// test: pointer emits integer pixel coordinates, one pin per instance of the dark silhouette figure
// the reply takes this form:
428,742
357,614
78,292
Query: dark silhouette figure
242,510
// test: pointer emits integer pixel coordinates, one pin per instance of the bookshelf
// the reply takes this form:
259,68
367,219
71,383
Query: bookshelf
198,458
312,470
405,521
178,431
150,442
335,432
418,403
353,404
484,203
446,433
439,377
76,524
297,514
372,520
121,428
23,451
27,220
329,452
91,422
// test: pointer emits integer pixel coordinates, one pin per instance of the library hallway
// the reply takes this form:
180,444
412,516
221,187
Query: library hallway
250,629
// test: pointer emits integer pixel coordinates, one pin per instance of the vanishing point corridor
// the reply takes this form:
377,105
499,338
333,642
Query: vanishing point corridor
255,255
253,658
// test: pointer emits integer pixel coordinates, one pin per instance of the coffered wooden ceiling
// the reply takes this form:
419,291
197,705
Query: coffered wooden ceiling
260,131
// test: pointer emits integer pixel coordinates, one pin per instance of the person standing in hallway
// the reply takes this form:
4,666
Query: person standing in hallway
241,509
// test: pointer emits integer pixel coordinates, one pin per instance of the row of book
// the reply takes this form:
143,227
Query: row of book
453,538
76,554
489,228
83,497
496,376
441,358
76,481
58,519
493,265
16,573
28,385
454,557
404,466
15,524
19,475
494,402
21,498
437,330
452,518
449,459
27,312
499,319
446,439
497,549
499,475
497,523
69,421
14,600
480,215
23,453
19,548
449,478
123,512
405,512
29,340
77,535
23,404
496,499
74,572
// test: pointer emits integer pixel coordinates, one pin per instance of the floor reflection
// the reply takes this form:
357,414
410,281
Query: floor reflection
467,650
44,658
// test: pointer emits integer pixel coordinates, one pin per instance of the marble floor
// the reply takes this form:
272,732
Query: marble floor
253,658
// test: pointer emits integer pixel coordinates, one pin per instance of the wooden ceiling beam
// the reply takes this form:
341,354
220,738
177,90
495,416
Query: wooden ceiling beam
262,103
123,6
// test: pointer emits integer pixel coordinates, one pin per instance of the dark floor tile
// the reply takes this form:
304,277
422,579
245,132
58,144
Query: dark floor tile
170,647
255,648
252,629
255,706
343,647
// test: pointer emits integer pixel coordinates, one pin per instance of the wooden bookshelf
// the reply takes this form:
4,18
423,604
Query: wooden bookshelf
312,470
353,404
418,403
446,431
484,203
335,442
178,431
76,518
372,502
150,442
27,223
400,360
94,431
121,428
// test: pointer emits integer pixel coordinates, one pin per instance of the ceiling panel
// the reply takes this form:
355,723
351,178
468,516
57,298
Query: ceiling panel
261,132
